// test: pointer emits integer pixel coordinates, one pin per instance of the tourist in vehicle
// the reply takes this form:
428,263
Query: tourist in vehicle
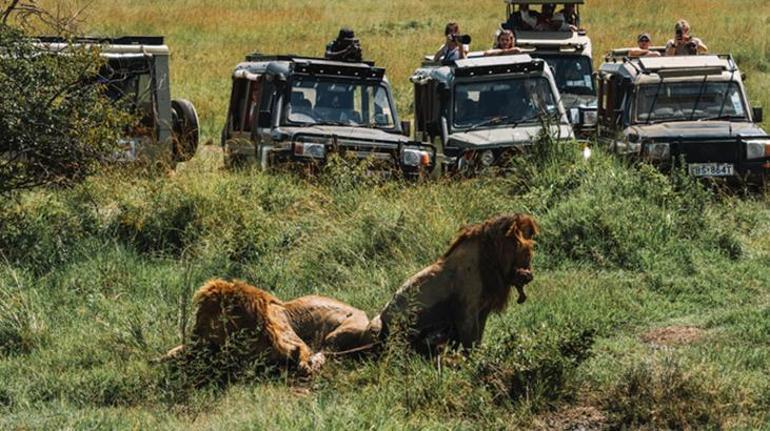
346,47
525,19
453,48
643,42
505,43
683,43
567,18
546,21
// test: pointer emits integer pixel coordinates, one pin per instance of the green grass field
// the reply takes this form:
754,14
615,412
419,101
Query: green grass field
650,307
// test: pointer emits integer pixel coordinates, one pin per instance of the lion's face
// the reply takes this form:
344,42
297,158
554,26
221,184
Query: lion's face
520,236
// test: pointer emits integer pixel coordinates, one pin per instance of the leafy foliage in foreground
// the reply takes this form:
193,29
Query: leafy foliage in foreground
56,126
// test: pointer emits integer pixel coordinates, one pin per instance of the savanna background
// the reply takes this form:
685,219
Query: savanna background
650,307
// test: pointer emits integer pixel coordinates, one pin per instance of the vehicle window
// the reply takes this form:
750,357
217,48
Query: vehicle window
572,73
237,103
130,82
253,104
684,101
314,101
515,100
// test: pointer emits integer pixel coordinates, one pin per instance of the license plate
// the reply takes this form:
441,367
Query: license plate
711,169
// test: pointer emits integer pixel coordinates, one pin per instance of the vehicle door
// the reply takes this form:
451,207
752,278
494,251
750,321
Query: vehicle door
238,124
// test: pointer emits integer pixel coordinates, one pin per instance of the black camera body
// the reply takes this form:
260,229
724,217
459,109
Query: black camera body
464,39
691,47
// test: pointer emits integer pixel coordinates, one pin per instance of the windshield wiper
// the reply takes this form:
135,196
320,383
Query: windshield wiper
723,117
335,123
489,122
543,115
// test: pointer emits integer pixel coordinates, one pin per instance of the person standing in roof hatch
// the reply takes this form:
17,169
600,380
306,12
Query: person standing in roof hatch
454,47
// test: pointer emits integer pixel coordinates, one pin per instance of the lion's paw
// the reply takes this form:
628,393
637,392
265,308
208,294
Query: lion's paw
317,361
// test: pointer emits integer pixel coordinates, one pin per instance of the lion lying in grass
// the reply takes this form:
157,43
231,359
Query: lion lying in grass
288,333
450,300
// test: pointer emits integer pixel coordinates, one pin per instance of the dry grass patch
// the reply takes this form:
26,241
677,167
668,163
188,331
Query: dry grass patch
673,335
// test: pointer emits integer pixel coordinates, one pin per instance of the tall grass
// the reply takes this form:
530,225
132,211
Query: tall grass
623,249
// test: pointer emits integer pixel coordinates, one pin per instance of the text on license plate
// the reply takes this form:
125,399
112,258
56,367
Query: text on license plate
711,169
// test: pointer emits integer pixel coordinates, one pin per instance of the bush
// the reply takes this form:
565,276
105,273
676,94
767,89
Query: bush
56,125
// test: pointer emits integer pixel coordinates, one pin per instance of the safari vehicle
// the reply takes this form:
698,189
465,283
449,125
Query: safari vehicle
291,109
689,108
569,54
480,111
136,73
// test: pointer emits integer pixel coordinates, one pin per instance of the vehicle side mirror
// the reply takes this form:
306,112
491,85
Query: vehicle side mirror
264,119
406,128
756,112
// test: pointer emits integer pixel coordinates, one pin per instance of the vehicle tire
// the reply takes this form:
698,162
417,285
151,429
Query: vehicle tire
186,130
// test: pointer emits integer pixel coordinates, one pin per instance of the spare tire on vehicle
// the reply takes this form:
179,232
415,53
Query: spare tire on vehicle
186,129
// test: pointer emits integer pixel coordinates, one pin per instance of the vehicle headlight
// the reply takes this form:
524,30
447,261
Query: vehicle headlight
590,117
758,149
487,158
312,150
658,151
415,157
574,115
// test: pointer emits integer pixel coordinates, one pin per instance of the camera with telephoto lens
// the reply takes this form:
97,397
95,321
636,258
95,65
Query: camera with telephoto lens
691,47
464,39
346,47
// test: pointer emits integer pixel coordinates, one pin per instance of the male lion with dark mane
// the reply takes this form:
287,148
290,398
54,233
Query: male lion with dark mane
288,333
450,300
447,302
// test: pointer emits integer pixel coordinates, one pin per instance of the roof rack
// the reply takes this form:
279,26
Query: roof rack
703,63
516,63
96,40
257,56
621,54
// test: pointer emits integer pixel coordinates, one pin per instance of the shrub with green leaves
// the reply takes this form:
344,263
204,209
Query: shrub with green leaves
56,127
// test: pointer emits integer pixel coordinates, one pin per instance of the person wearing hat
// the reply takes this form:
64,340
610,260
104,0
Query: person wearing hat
345,48
683,43
643,47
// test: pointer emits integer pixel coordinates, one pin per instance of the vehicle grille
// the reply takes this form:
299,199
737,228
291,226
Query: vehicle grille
710,152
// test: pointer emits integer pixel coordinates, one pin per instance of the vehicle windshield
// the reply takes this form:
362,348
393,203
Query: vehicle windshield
349,103
682,101
512,100
573,73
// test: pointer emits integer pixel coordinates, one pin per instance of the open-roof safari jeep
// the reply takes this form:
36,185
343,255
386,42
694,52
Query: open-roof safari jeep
481,111
136,73
569,54
291,109
690,108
